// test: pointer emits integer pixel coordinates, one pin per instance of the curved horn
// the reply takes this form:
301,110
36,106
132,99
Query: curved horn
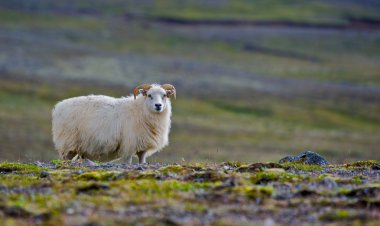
145,87
170,90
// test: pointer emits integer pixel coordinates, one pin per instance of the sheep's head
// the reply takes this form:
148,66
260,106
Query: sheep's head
156,95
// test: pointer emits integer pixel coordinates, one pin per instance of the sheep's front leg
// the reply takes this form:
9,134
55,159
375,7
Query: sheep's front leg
142,157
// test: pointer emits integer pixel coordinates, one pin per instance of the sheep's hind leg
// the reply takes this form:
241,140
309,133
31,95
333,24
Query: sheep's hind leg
129,160
142,157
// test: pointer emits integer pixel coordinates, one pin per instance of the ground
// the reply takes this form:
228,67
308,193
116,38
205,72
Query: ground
256,80
229,193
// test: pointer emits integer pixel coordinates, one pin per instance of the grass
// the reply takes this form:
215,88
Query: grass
341,54
14,19
279,126
297,11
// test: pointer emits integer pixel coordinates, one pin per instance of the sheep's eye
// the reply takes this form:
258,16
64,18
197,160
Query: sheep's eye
150,96
164,96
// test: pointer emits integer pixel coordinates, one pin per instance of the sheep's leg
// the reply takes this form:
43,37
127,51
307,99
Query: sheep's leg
142,157
129,160
75,158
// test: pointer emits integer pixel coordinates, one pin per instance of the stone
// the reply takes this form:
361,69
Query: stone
308,157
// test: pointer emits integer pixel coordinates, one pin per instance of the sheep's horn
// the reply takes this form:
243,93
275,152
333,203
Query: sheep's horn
170,89
145,87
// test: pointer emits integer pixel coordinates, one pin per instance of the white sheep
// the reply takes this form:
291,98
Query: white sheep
105,128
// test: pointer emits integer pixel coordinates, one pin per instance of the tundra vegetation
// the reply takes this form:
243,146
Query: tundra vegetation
230,193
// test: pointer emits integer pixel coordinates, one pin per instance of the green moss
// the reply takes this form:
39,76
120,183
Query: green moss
198,207
327,175
174,169
98,175
339,214
273,175
303,167
357,180
8,167
254,192
18,180
149,189
12,222
209,175
57,161
147,175
365,164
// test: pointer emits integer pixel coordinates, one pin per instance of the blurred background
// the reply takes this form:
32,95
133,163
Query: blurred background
256,80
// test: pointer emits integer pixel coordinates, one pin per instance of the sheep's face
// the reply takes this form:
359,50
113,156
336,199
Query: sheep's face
156,99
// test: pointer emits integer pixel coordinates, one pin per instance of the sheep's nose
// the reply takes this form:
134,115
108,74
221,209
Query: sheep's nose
158,105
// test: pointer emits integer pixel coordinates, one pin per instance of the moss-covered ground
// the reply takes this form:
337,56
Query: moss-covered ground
231,193
300,75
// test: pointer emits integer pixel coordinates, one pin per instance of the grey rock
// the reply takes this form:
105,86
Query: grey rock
88,162
38,163
328,184
308,157
44,174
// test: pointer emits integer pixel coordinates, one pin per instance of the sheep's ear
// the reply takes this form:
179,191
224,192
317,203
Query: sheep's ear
144,87
143,92
170,90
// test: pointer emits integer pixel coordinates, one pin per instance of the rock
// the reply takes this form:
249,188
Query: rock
38,163
376,167
93,187
15,211
328,183
368,192
44,174
88,162
308,157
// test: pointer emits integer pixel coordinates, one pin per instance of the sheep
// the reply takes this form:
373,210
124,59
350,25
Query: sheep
104,128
